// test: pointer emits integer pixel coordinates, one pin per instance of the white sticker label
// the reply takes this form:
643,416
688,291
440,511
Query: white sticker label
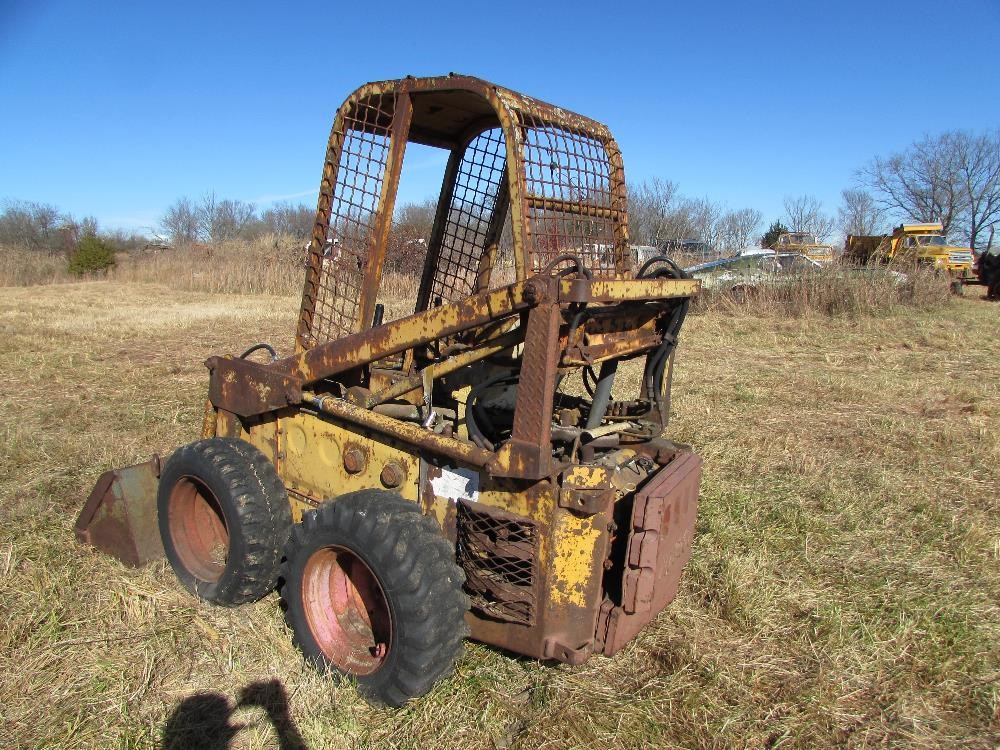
460,484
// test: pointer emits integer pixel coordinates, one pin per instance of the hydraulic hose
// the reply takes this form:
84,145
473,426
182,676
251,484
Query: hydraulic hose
471,422
602,393
258,347
656,363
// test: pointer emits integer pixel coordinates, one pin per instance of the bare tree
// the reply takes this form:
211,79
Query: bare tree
285,218
658,214
31,225
205,211
223,220
921,183
704,218
410,233
953,177
652,211
738,229
415,220
805,214
87,226
234,217
859,213
180,222
977,158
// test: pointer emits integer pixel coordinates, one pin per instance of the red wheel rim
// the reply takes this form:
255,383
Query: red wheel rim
198,529
346,610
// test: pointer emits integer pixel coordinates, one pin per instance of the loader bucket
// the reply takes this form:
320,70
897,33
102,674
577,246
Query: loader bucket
120,515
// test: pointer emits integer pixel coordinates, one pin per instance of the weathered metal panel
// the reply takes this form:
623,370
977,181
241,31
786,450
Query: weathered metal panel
323,460
535,568
247,388
119,517
659,546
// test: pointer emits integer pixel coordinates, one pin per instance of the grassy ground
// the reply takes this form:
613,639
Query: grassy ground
844,587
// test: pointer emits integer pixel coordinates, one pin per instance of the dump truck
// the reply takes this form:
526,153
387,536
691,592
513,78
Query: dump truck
805,244
472,469
923,244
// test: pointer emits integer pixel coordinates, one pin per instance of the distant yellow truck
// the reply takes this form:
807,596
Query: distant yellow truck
805,244
918,243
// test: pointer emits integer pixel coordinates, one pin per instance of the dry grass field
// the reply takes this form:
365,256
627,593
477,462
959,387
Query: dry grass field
844,589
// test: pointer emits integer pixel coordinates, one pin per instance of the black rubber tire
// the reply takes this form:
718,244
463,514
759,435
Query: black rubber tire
415,568
246,495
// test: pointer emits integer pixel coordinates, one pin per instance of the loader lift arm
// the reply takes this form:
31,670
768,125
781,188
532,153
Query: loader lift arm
247,389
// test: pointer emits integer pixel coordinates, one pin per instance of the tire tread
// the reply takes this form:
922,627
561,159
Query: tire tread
418,573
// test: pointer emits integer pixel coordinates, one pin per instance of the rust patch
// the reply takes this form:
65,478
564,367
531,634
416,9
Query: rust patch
659,546
119,517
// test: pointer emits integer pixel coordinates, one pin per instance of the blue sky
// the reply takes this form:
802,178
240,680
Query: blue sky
115,109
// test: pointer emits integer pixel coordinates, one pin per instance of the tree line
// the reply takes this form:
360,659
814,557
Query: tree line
41,227
45,228
952,177
210,219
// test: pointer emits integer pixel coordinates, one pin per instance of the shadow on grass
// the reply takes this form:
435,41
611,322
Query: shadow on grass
202,721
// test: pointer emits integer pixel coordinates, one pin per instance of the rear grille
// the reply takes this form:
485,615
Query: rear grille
497,551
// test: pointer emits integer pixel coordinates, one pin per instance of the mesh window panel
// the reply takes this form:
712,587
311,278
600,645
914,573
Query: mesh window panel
477,188
569,197
352,217
498,553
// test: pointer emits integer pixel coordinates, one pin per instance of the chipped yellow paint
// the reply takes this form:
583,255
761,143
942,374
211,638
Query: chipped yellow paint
299,506
310,459
461,396
587,477
512,496
439,509
263,437
574,542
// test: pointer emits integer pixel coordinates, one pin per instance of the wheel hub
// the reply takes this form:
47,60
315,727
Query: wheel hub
198,529
346,610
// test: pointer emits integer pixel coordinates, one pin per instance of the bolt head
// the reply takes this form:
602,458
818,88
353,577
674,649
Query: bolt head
355,460
392,474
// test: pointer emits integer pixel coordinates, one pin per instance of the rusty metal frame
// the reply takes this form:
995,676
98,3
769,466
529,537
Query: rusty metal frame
516,115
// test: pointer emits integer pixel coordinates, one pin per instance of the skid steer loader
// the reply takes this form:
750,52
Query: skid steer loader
471,469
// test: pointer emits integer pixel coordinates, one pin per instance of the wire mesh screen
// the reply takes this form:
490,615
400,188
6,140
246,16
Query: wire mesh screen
466,231
498,556
568,192
353,213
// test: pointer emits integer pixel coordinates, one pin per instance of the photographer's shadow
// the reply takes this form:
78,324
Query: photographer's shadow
202,721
